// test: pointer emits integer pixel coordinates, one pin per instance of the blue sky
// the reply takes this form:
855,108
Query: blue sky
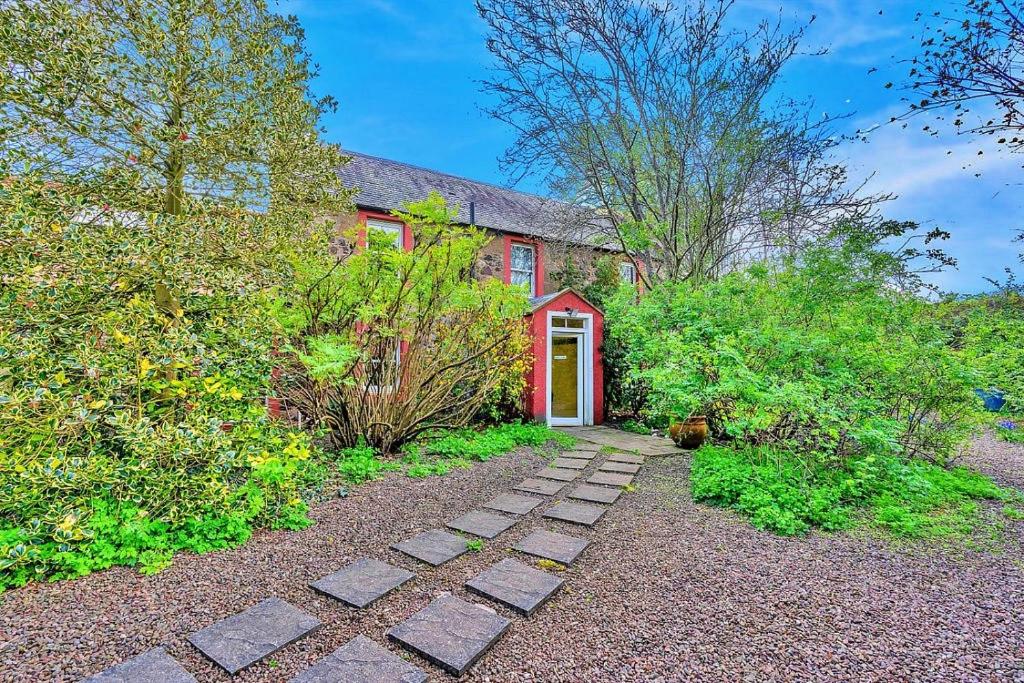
406,73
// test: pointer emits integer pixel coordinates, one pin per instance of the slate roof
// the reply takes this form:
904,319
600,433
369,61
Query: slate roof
385,185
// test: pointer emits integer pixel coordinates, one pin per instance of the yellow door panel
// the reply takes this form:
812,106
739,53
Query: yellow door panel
564,376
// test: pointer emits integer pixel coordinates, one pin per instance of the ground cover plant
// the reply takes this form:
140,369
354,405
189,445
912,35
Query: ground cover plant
439,452
834,395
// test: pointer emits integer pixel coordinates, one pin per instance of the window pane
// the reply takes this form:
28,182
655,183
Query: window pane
521,266
627,272
392,228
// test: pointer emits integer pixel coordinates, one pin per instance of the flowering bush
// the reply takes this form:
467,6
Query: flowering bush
127,430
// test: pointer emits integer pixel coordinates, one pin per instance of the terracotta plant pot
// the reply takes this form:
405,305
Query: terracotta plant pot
690,433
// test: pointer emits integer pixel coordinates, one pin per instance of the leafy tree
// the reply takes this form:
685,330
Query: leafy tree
160,164
663,119
172,106
973,56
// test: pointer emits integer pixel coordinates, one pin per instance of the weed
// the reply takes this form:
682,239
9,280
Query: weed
551,564
475,545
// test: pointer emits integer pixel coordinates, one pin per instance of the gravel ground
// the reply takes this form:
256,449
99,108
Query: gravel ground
669,591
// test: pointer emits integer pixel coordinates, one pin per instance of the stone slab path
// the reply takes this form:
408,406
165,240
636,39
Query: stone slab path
515,585
153,665
434,547
449,632
245,638
557,474
624,441
481,523
570,463
551,546
622,467
626,457
595,494
610,479
512,503
577,513
361,660
545,487
362,582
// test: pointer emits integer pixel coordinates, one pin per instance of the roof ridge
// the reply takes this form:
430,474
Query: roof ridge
503,188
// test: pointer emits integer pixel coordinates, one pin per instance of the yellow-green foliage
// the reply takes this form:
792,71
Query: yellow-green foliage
127,430
462,342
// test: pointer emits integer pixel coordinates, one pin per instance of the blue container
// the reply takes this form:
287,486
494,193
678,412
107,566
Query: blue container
993,399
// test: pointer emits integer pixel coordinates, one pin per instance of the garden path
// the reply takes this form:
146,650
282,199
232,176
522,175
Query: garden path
624,441
450,633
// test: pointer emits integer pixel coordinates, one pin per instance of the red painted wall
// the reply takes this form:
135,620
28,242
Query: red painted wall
537,376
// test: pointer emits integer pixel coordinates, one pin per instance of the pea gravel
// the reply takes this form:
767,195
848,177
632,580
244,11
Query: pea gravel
667,591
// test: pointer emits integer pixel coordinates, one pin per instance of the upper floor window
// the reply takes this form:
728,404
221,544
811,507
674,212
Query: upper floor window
393,229
522,269
627,273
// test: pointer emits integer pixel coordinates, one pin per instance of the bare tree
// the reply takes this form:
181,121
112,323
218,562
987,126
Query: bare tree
662,119
971,56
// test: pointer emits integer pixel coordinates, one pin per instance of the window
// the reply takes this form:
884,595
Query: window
570,323
392,228
522,266
627,272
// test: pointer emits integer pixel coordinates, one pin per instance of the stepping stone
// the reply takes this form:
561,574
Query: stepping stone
480,523
152,665
513,503
451,633
623,467
626,457
362,582
361,660
611,479
557,474
595,494
570,464
515,585
247,637
587,446
580,455
433,547
545,487
552,546
577,513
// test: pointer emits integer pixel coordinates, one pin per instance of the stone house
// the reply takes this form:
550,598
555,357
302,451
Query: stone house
531,240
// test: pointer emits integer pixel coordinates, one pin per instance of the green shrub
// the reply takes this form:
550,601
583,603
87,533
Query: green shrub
360,464
128,430
777,493
460,343
988,334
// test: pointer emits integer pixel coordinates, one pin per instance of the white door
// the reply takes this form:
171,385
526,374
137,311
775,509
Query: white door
566,373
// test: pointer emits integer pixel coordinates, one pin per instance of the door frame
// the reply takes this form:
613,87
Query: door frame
585,368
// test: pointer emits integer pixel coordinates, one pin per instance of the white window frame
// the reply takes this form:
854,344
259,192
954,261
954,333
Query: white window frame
632,270
396,227
584,373
533,265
